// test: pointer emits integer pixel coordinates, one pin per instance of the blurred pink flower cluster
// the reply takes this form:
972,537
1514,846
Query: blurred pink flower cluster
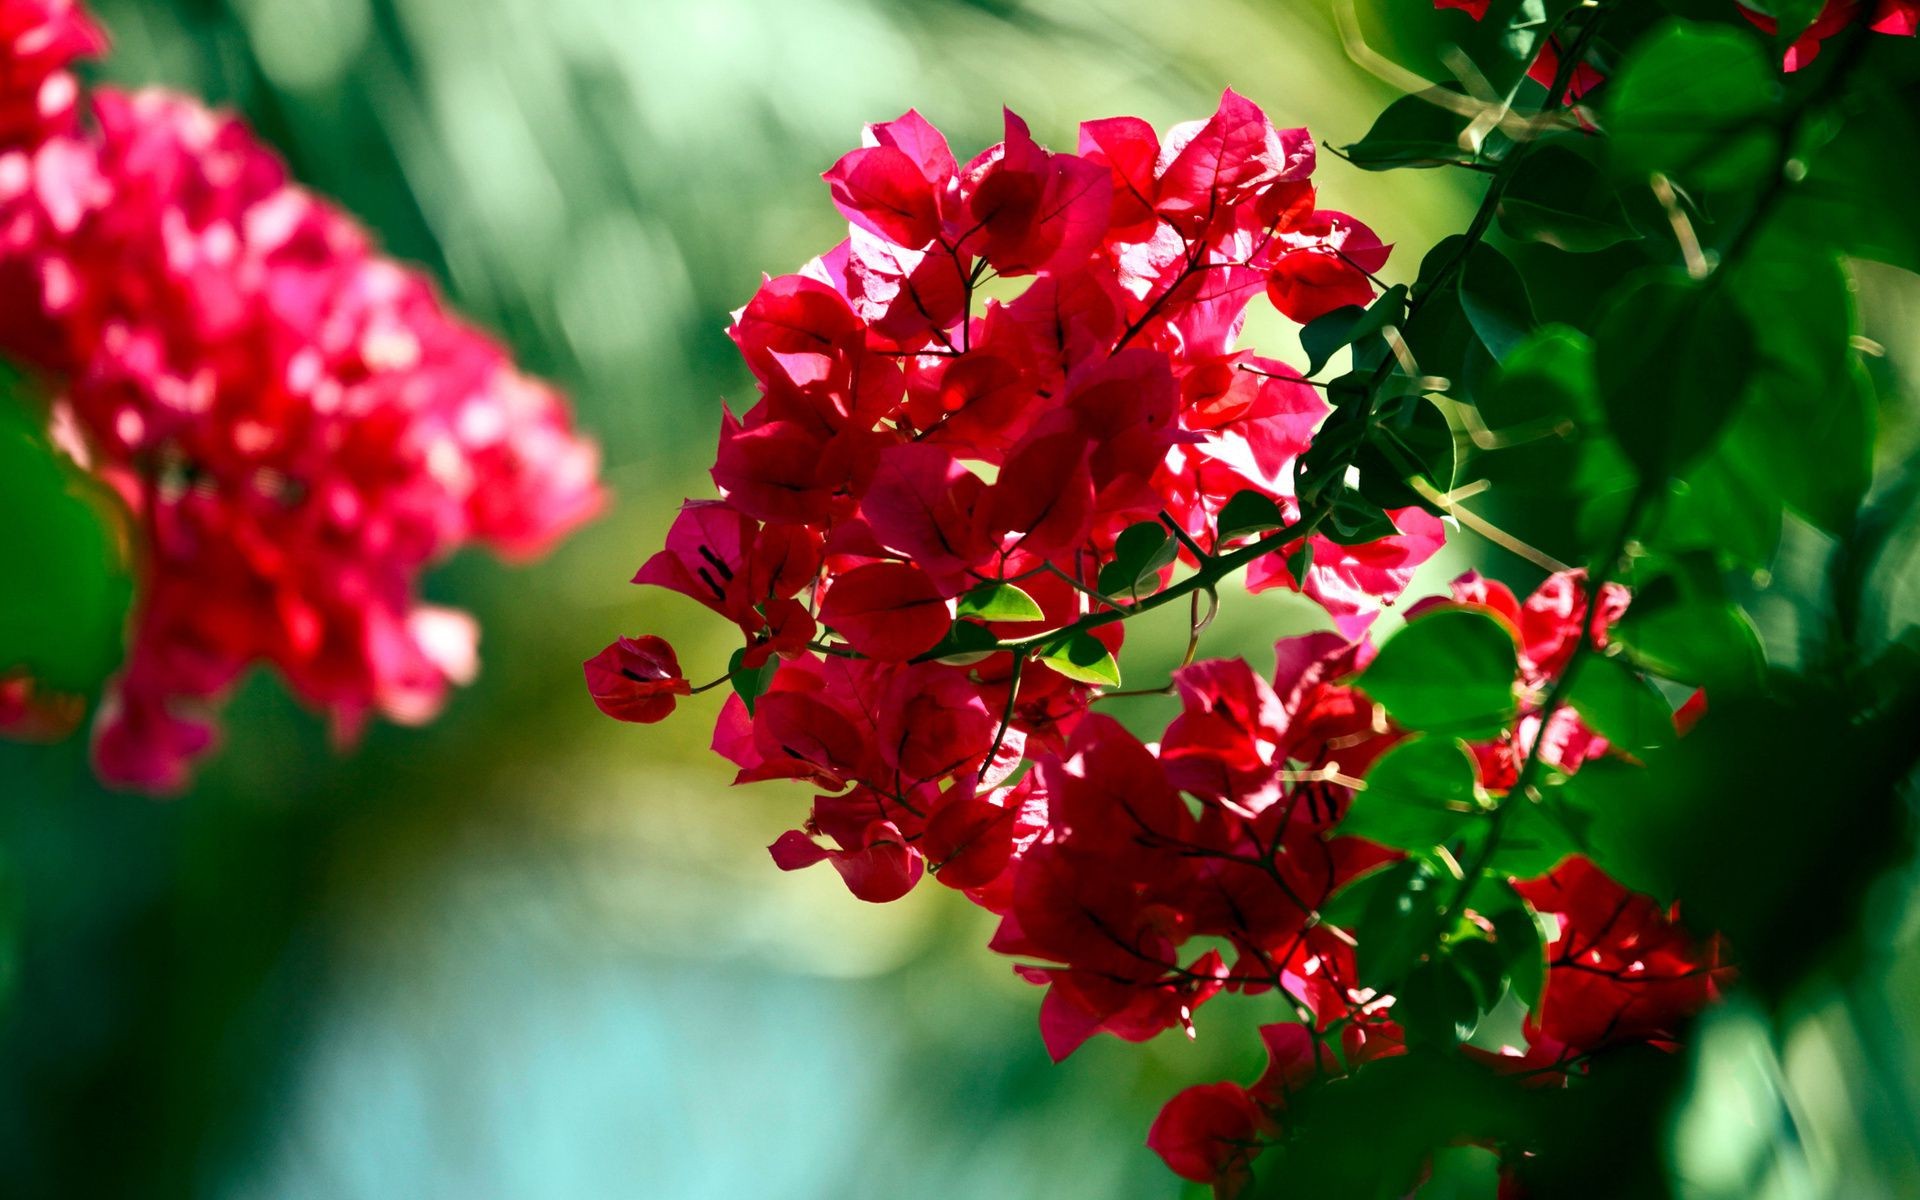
298,426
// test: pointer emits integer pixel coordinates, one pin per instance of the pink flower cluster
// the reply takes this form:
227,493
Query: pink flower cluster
918,534
298,425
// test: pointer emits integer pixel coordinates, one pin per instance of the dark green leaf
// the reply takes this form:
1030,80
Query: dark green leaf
1494,299
1674,356
1436,1006
1617,703
1412,132
1559,198
1248,512
966,644
1139,553
1696,102
1410,439
1516,930
1400,923
1449,671
1682,626
1326,335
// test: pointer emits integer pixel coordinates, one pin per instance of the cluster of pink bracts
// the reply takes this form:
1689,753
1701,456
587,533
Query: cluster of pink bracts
911,447
297,425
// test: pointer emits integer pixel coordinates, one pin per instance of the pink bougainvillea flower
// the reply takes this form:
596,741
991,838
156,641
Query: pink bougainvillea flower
636,679
299,426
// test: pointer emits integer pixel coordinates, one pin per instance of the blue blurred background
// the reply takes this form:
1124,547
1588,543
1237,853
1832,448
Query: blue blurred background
526,951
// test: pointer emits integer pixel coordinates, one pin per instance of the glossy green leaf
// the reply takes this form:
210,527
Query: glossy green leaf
750,683
1616,702
1083,658
1450,671
999,601
1139,553
1248,512
1418,794
1412,132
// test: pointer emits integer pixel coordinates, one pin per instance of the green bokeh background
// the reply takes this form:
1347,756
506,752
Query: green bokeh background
529,952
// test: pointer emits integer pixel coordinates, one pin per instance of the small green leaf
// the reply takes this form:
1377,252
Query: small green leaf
965,644
1436,1005
750,682
1619,704
1494,298
1419,794
1517,935
999,601
1412,132
1673,357
1410,438
1559,198
1483,966
1139,553
1326,335
1249,512
1449,671
1682,626
1084,659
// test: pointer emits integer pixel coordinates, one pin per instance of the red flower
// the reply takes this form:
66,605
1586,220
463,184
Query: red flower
636,679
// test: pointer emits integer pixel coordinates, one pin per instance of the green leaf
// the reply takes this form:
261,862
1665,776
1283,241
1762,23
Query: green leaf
1449,671
1484,966
1409,438
1436,1006
1419,794
999,601
1559,198
1326,335
1682,626
1248,512
1400,922
1412,132
1673,357
1806,432
1084,659
965,644
64,592
1494,299
1139,553
1517,935
1618,703
750,683
1554,470
1791,17
1696,102
1532,842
